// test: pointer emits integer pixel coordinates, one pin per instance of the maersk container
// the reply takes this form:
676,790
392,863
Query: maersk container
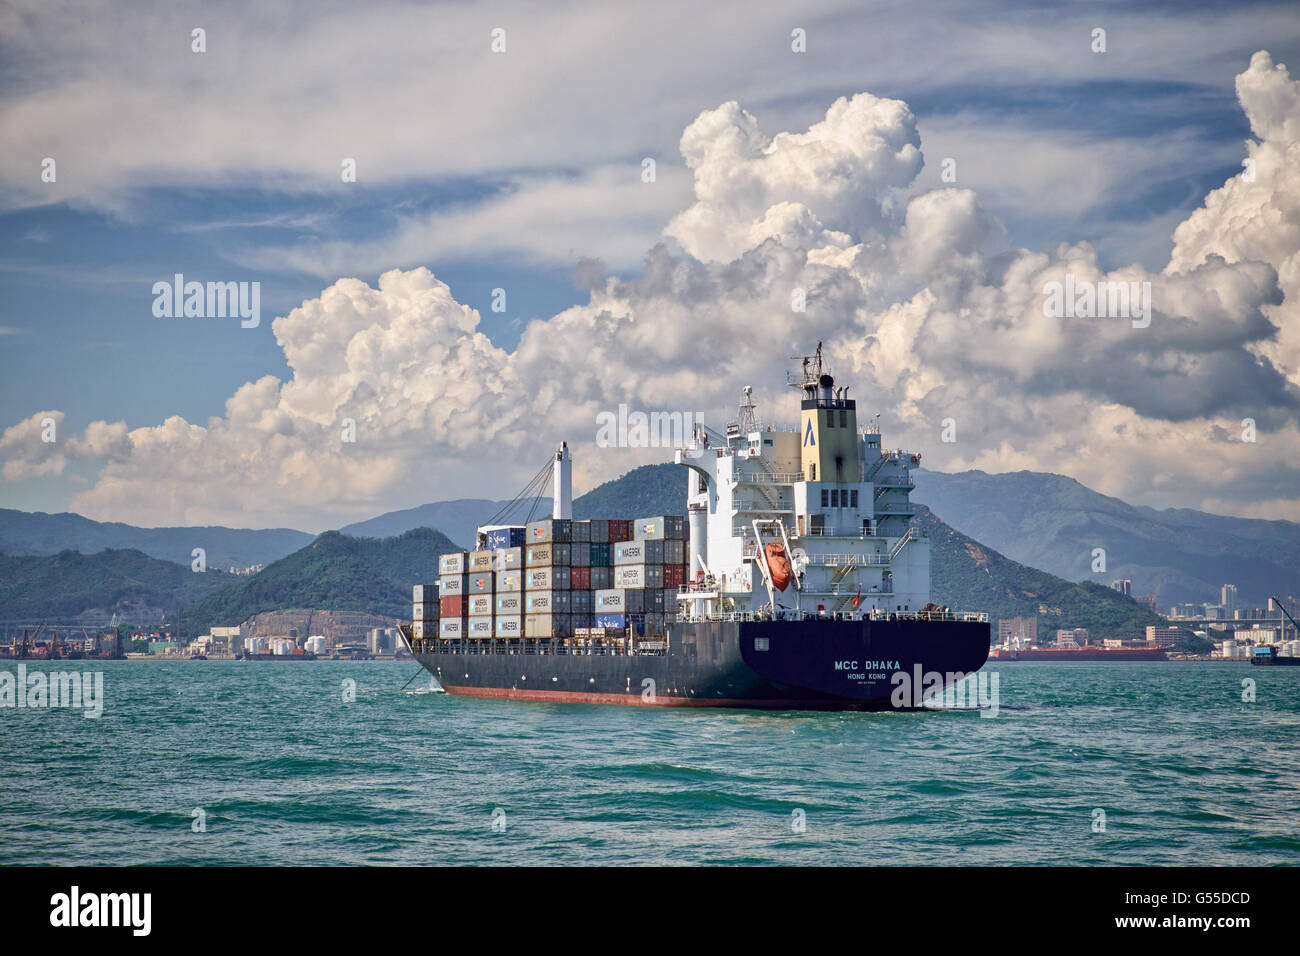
674,551
549,529
550,554
548,625
453,584
451,564
481,582
580,531
453,605
510,581
547,602
580,555
609,600
581,602
602,555
639,576
424,593
507,559
601,578
638,552
672,527
480,605
480,561
510,602
506,537
547,579
453,628
479,627
509,626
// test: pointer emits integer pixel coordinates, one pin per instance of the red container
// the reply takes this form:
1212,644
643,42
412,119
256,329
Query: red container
620,529
580,579
452,606
672,575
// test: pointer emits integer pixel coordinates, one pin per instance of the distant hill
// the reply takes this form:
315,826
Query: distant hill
23,532
333,573
1052,522
968,576
70,587
641,493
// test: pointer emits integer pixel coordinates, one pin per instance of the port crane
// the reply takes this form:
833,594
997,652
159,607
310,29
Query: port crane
1282,607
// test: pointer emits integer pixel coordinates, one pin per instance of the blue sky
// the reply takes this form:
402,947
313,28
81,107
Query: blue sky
504,173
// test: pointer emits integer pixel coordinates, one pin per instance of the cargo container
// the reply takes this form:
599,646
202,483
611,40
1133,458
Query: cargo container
580,554
582,620
509,602
639,576
505,536
654,600
507,559
621,622
453,584
547,579
455,563
453,605
510,581
602,555
509,626
547,602
550,554
453,628
630,600
548,625
580,579
638,552
424,594
479,627
620,529
580,602
654,622
480,561
423,629
601,578
660,527
425,612
480,605
674,551
599,531
673,576
481,582
580,531
549,529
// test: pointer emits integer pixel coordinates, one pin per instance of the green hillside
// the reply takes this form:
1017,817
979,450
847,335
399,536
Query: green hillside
968,576
63,586
333,573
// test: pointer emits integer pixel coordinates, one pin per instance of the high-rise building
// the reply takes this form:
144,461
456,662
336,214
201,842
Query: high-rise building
1162,636
1018,631
1228,600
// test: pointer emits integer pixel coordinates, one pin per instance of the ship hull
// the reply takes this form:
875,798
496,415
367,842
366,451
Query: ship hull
799,665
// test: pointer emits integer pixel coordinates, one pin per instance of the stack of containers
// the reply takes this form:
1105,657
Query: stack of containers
425,611
453,590
649,568
547,571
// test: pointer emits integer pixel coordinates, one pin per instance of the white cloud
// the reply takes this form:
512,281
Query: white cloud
923,309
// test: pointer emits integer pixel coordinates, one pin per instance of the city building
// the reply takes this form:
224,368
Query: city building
1018,631
1072,637
1228,601
1163,636
1123,586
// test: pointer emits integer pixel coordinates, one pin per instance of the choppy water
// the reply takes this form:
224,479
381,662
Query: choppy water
286,772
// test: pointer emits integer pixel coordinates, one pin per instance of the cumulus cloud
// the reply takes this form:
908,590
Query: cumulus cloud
923,308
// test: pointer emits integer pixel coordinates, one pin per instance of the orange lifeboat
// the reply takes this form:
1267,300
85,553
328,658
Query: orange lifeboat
778,565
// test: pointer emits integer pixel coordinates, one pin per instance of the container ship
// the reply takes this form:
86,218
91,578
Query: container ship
795,580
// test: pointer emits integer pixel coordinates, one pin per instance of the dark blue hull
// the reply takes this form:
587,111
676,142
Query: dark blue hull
810,664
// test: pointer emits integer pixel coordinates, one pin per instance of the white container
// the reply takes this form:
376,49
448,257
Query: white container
455,563
480,627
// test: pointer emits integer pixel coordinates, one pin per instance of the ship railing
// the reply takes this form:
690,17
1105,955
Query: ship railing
841,560
770,478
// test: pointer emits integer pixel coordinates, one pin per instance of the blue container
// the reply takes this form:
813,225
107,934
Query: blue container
512,537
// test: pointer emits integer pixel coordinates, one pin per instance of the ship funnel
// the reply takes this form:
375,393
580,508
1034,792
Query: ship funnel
825,383
562,492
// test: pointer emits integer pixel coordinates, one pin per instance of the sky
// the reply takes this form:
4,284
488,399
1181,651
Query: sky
650,191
